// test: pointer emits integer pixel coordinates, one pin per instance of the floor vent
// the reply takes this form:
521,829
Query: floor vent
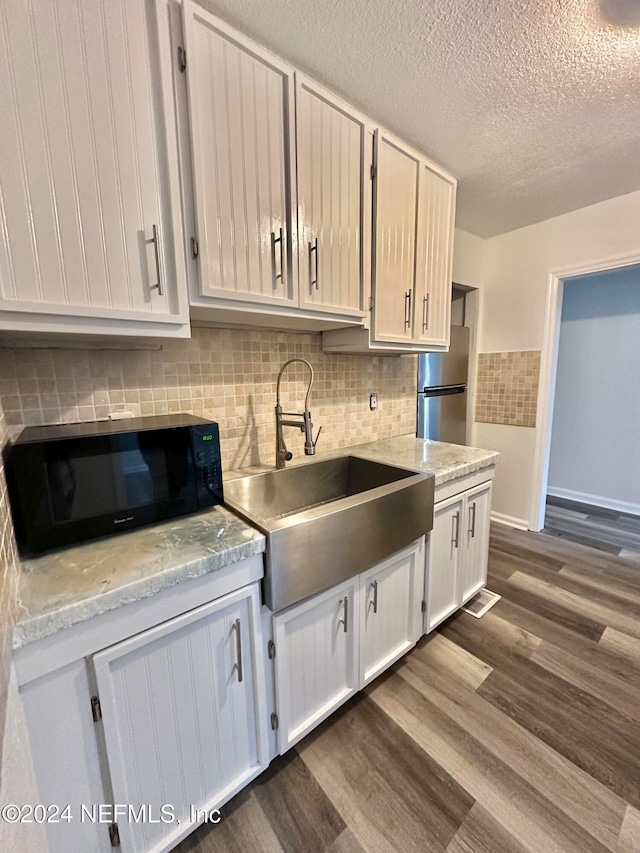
481,602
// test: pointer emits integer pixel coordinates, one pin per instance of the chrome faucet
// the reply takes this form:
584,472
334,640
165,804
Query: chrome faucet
302,420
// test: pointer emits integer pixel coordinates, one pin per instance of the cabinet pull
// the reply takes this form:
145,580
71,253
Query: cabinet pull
344,603
407,309
425,313
313,282
156,251
375,596
238,665
456,526
472,519
274,240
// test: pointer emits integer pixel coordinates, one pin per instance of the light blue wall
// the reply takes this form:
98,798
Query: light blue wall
595,443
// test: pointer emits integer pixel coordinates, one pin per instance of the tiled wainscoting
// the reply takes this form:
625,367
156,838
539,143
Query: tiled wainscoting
507,388
227,375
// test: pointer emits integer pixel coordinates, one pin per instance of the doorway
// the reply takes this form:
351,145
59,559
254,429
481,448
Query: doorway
599,339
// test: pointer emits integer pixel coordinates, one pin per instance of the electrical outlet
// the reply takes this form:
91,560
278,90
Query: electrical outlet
373,401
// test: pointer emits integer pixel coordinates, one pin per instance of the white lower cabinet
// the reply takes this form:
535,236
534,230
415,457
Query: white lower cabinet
457,552
184,716
390,608
333,644
475,532
443,561
316,661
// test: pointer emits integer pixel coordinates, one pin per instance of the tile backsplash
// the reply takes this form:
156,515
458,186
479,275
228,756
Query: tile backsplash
507,387
222,374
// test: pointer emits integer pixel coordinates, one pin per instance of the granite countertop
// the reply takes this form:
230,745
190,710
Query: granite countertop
60,589
65,587
446,461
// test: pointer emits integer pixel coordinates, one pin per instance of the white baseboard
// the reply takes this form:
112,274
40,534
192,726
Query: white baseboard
594,500
509,521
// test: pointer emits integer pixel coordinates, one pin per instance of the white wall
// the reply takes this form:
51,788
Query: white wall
468,258
595,453
512,315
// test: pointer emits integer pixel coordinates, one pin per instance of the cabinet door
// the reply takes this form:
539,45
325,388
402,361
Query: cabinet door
89,195
394,238
473,569
436,222
331,197
316,660
241,116
444,555
184,715
391,610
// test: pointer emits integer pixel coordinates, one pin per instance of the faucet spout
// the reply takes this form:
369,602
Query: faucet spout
301,420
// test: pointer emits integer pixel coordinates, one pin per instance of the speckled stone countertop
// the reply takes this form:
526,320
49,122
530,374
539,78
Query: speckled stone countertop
446,461
69,586
60,589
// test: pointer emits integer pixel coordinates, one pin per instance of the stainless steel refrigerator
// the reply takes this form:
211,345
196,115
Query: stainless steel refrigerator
442,390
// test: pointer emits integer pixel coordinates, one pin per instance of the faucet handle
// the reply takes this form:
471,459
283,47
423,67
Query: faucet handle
310,444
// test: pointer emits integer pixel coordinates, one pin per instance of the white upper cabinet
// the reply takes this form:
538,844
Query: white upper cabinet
436,223
414,209
333,188
241,102
89,195
395,230
280,186
413,227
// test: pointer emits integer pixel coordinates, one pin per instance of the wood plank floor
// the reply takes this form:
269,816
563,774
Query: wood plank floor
519,731
603,529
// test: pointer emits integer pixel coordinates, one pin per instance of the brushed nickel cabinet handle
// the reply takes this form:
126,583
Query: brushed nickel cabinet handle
156,251
456,526
344,602
313,247
425,313
472,519
407,309
374,586
236,627
274,240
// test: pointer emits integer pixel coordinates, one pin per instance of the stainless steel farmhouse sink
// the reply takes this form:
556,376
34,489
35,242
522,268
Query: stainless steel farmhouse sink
327,521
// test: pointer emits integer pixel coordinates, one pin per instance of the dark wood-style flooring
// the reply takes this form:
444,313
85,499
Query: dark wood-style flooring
603,529
515,732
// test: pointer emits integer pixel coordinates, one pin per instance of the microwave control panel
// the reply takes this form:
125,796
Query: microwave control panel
205,441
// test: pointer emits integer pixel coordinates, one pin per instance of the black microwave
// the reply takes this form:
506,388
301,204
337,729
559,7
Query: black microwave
71,482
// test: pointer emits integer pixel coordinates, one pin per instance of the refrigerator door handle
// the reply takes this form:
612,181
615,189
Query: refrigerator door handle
444,390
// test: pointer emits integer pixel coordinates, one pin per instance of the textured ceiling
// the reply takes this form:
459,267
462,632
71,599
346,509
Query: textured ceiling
534,105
